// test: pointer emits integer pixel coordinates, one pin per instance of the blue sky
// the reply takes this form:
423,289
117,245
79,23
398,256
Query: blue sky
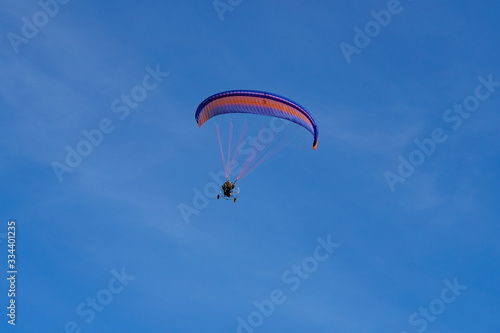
112,229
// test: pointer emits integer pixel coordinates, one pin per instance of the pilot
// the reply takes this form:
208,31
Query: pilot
227,188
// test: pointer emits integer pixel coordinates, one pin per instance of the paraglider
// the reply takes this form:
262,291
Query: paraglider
229,190
256,103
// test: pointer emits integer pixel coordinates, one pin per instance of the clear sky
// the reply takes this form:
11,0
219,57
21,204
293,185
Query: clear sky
390,225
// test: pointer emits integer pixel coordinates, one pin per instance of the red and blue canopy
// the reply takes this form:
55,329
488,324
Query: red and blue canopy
259,103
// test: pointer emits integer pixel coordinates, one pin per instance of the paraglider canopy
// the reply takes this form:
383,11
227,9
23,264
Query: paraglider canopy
259,103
